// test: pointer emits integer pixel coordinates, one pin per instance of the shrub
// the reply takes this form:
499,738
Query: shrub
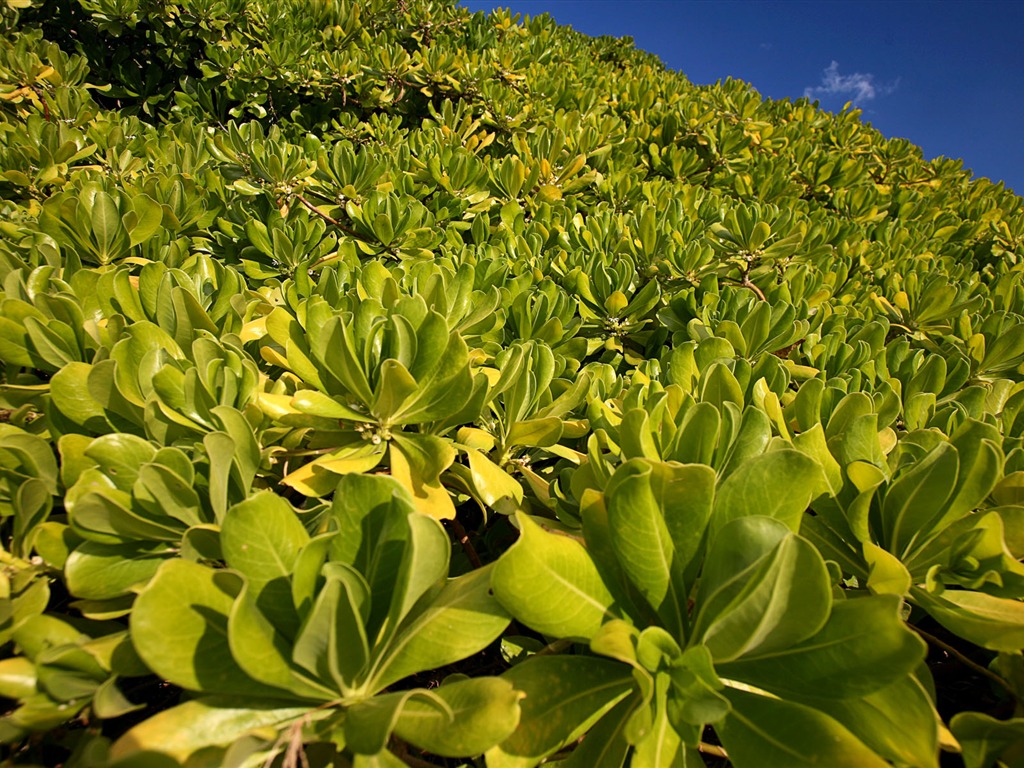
385,384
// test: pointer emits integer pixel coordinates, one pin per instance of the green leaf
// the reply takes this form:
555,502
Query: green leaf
17,677
182,731
660,746
264,652
985,740
261,539
106,225
565,695
424,566
694,699
179,627
460,620
109,702
97,571
307,575
720,386
812,442
333,345
898,722
395,387
606,745
981,467
372,515
864,646
481,712
760,732
779,484
369,723
120,457
382,759
996,623
549,582
70,393
318,404
886,574
535,433
756,605
258,235
917,498
149,215
165,496
332,642
652,510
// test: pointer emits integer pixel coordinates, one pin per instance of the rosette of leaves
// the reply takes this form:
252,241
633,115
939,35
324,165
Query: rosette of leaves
305,634
927,307
615,305
477,313
131,506
379,374
996,347
527,414
549,314
386,224
844,348
709,610
543,170
28,484
709,371
665,424
202,295
928,532
353,172
43,323
285,245
97,223
60,667
149,387
936,391
457,180
752,238
751,325
38,156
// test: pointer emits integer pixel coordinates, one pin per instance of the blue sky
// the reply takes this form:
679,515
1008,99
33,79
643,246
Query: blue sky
947,75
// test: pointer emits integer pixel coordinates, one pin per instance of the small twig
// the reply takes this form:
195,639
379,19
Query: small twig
401,750
711,749
328,219
467,545
967,662
42,100
306,452
746,283
414,762
554,647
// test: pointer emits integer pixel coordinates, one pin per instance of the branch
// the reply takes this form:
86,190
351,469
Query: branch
328,219
746,283
467,545
555,647
711,749
963,659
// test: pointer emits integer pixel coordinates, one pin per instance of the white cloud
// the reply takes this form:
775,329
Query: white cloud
859,87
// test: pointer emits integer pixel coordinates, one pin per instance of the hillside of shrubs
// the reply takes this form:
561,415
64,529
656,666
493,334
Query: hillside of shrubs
388,385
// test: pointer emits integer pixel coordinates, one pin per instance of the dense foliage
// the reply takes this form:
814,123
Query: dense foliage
386,385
